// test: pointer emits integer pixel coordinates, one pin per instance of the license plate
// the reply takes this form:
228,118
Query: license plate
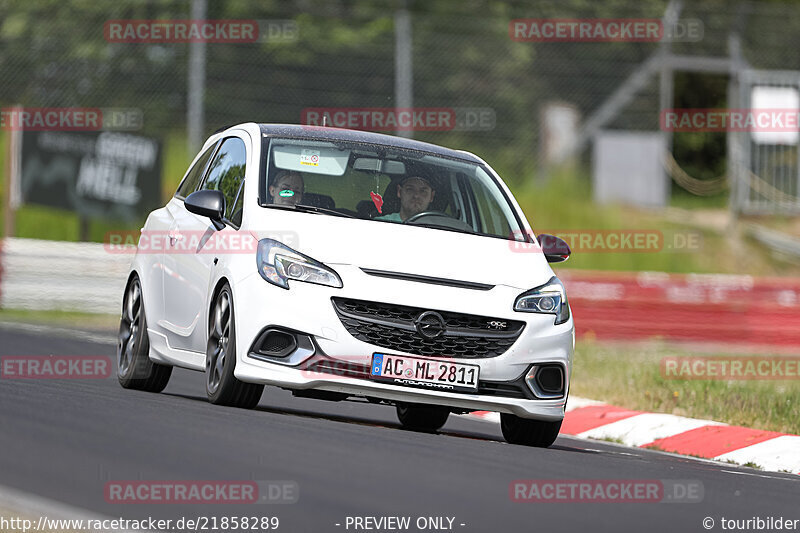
426,373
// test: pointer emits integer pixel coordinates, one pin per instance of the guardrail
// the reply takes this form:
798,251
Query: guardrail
776,241
64,276
729,309
48,275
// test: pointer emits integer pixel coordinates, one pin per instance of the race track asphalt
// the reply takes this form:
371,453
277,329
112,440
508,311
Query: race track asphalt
65,439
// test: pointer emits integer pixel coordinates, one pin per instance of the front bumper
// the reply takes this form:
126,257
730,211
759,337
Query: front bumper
307,308
293,378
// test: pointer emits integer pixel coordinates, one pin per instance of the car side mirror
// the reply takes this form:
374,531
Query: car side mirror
555,249
209,204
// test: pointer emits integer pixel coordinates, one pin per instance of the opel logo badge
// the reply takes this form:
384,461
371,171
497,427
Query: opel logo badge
430,324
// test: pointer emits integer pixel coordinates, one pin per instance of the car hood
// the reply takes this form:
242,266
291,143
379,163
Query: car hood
406,249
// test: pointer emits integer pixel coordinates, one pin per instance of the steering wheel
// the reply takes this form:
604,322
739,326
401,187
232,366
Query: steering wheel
426,214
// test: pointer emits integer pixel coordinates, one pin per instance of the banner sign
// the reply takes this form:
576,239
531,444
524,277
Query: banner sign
95,174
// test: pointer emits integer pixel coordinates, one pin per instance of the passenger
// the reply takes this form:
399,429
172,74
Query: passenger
287,188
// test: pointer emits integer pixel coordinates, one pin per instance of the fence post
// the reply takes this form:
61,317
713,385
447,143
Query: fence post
403,62
11,198
197,80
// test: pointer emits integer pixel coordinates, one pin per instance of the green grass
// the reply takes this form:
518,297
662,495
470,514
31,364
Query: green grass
66,319
686,200
629,375
564,203
613,440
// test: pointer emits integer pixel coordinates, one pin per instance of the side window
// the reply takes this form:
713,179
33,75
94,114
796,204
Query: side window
227,171
195,174
238,209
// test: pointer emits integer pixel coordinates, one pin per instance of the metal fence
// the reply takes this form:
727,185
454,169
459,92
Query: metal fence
765,169
343,54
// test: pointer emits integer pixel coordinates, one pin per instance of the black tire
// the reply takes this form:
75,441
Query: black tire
528,432
222,387
135,370
419,417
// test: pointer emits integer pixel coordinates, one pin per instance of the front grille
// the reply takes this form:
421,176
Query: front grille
392,328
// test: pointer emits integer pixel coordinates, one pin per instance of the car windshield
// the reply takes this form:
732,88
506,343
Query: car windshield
388,185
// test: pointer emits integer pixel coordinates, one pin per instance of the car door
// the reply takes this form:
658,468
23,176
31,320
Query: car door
190,254
154,235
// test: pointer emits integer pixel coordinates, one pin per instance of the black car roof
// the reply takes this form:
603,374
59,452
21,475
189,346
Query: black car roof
341,134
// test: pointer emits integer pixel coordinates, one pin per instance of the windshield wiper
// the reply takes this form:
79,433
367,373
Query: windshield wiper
310,209
446,228
315,209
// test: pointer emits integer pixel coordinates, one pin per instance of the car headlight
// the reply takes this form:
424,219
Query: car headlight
550,298
277,263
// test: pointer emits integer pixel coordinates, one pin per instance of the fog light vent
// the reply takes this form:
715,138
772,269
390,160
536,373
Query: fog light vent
546,381
276,343
550,379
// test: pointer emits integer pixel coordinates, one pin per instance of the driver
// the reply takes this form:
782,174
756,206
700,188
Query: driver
416,195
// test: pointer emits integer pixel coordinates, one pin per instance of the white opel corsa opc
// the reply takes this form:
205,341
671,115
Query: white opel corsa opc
349,265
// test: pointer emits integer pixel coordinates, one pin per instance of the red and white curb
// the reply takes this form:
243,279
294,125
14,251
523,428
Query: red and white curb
589,419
